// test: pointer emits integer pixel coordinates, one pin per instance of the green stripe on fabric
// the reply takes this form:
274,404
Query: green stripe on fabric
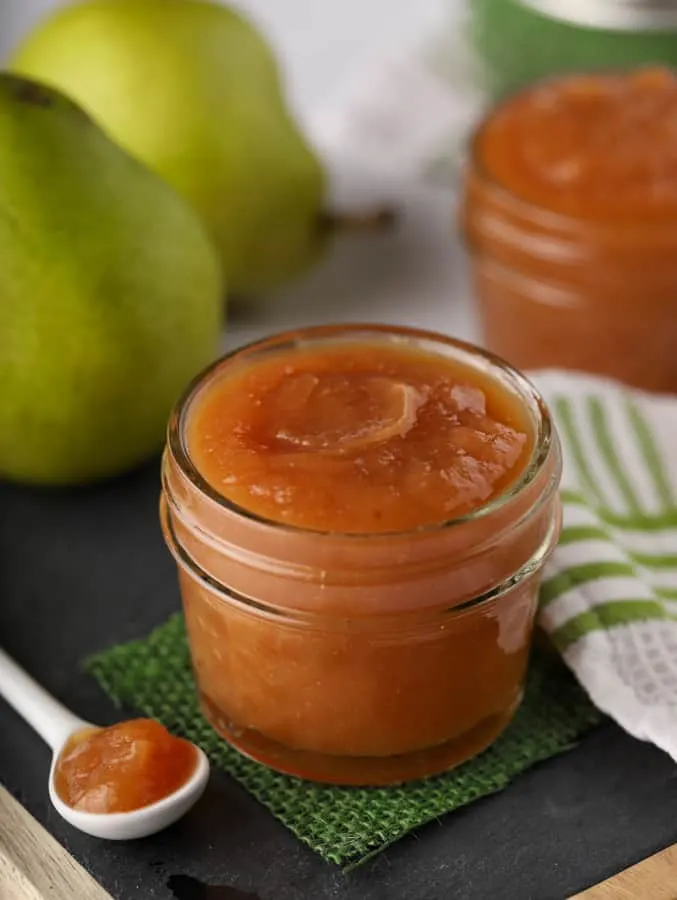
666,593
607,615
661,522
577,575
565,420
651,454
600,427
574,534
656,560
569,496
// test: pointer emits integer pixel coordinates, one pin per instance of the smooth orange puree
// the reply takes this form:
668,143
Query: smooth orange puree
595,146
123,767
358,437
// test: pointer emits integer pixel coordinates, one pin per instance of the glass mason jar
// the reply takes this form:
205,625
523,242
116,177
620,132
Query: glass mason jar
361,658
516,42
558,291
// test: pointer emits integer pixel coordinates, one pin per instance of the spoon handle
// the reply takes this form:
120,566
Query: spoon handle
52,721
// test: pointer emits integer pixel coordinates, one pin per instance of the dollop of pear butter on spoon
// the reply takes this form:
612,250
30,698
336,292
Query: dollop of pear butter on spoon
122,782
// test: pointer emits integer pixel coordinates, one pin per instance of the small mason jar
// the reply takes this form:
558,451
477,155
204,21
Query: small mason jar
594,290
361,659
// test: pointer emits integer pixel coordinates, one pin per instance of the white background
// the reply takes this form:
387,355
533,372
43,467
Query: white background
320,40
415,275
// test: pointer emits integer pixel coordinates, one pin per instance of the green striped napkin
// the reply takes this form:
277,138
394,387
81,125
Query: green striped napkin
609,598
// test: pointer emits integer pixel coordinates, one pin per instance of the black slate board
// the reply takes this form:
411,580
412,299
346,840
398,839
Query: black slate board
83,569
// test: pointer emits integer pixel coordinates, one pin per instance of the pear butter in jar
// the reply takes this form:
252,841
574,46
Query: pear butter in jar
570,218
360,516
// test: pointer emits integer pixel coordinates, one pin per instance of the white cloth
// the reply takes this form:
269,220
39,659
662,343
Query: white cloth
609,599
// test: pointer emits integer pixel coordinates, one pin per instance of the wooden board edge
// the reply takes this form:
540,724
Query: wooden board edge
654,878
34,865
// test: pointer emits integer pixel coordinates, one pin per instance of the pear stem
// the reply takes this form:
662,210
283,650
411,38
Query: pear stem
372,220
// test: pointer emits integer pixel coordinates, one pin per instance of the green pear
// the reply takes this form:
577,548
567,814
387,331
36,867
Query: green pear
110,295
192,89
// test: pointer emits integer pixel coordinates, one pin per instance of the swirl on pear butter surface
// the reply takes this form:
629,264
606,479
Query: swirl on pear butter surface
358,437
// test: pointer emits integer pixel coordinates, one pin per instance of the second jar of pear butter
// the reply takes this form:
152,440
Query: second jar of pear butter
570,216
360,516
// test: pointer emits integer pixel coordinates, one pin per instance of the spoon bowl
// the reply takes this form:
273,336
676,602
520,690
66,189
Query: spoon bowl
56,725
136,823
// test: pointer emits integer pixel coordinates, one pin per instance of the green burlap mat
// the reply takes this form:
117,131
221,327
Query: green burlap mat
345,825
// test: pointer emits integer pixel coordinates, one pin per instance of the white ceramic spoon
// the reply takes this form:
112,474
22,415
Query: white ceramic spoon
55,724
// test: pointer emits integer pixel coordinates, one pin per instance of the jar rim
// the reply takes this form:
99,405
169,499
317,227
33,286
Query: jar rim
538,212
540,453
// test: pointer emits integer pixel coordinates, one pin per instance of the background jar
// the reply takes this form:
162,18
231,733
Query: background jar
361,659
555,291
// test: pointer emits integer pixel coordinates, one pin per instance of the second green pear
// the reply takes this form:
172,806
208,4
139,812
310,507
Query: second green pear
192,89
